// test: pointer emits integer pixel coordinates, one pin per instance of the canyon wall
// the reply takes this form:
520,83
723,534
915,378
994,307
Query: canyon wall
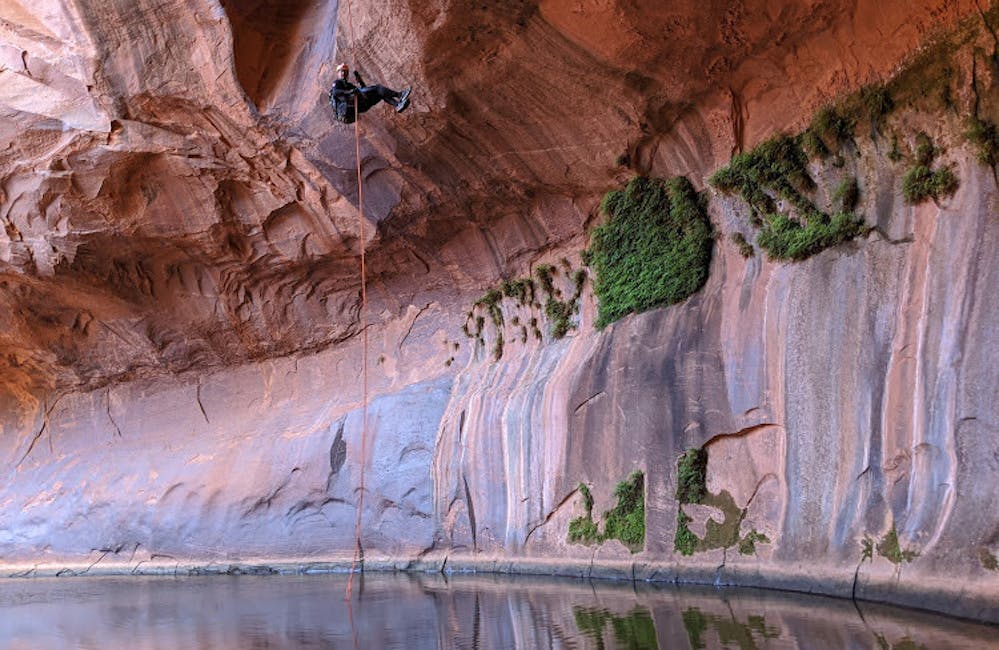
181,358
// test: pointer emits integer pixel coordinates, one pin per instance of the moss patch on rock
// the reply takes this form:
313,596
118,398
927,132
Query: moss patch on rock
887,547
684,540
987,559
583,530
653,250
691,488
747,545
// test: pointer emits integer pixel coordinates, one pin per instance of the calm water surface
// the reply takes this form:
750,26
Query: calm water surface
430,611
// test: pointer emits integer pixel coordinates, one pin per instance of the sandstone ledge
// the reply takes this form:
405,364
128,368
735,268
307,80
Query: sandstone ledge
930,594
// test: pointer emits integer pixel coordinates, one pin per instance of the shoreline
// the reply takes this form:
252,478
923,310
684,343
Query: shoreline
932,595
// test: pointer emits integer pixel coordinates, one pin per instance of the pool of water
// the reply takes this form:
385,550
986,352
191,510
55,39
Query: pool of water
415,611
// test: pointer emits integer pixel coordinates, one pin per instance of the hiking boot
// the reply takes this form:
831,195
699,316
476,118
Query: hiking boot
403,102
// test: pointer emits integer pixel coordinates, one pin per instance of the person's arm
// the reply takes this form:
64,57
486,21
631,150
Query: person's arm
360,81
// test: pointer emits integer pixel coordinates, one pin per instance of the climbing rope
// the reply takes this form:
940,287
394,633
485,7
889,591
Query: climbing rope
364,335
364,350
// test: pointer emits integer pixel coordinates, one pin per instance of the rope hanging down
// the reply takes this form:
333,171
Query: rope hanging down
364,351
364,334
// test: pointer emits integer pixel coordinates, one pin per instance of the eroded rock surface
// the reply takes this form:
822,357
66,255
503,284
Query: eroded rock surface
179,344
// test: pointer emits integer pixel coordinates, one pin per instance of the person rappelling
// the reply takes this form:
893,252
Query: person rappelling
342,96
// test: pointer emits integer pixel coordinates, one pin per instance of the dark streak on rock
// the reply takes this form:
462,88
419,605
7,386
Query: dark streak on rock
471,514
266,502
586,401
197,395
756,490
107,404
412,448
412,324
551,514
338,454
45,424
740,432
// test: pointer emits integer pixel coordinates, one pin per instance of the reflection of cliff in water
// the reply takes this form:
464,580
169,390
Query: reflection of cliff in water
434,612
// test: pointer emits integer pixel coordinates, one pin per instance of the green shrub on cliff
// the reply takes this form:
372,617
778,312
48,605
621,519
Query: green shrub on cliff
784,238
684,540
654,249
583,530
984,135
889,548
778,165
920,182
626,521
778,169
745,248
691,475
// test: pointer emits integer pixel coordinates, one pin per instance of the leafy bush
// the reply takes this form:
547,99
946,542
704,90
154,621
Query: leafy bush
920,184
984,135
684,540
834,124
691,475
544,273
812,143
745,248
654,249
626,521
522,289
784,238
778,164
925,151
491,302
582,530
879,103
560,314
847,194
889,548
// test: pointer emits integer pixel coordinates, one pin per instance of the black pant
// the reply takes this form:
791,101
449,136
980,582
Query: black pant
368,96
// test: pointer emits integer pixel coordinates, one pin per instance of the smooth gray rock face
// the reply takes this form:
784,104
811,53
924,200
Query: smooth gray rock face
200,481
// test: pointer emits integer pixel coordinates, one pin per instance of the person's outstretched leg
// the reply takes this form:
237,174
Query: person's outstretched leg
371,95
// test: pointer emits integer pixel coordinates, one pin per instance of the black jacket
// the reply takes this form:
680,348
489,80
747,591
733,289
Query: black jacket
342,98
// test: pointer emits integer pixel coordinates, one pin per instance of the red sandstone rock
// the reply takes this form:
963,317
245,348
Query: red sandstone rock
178,271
